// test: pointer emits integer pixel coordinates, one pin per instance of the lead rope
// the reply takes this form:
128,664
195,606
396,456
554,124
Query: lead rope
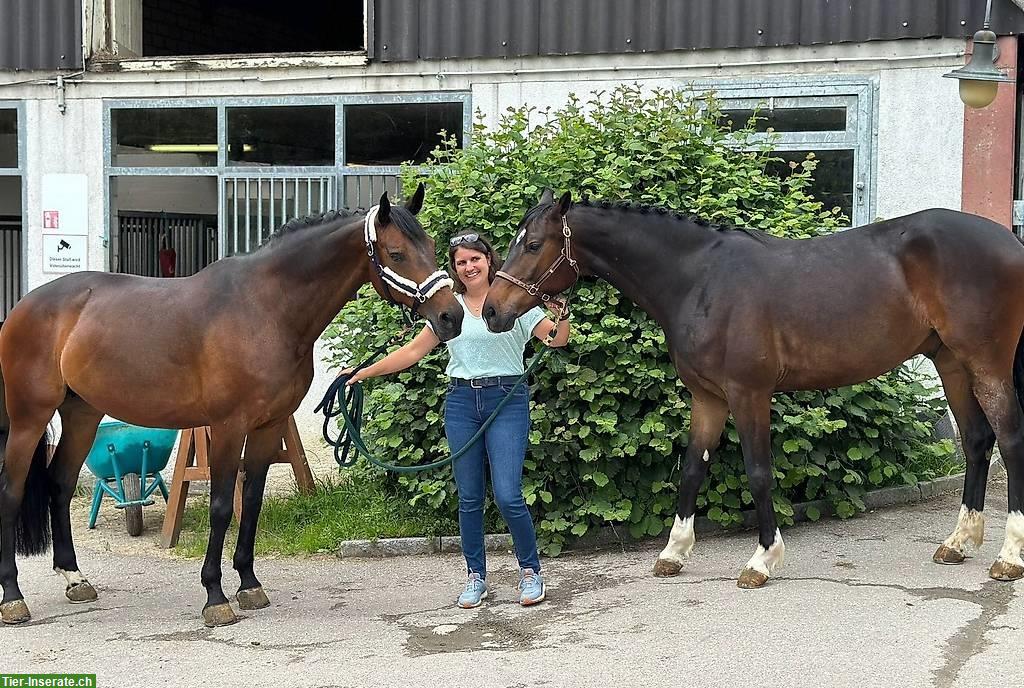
349,405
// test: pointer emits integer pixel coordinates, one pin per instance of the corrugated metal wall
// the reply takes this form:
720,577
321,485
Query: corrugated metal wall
47,34
437,29
40,34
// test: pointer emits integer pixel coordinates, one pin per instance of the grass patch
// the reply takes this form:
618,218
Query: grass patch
355,506
361,504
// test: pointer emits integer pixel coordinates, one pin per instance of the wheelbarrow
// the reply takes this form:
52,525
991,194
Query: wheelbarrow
127,460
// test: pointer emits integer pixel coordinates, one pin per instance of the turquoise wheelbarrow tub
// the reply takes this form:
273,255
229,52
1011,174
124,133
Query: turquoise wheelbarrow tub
127,460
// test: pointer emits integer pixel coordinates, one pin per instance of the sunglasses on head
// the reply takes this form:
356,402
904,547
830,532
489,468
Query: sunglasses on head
463,239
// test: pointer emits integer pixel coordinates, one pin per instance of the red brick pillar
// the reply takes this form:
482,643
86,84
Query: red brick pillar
987,185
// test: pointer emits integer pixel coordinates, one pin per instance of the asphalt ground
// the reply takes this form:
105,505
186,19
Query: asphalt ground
858,603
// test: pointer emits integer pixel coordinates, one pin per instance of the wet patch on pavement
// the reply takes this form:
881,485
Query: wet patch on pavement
502,624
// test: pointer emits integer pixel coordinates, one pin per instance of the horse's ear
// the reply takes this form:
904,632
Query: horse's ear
564,202
546,197
384,210
414,204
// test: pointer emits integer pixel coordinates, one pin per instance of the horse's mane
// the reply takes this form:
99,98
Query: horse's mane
299,223
632,207
400,217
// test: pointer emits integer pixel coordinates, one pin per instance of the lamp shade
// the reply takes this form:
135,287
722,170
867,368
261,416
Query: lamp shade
976,93
979,78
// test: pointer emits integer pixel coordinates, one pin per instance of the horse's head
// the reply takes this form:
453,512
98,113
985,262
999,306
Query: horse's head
406,263
539,264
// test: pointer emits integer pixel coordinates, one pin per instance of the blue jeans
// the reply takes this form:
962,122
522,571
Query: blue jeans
503,446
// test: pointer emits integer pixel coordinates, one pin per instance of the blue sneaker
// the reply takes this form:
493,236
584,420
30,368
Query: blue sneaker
531,588
475,592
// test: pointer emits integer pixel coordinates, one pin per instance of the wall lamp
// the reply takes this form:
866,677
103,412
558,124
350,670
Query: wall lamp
979,79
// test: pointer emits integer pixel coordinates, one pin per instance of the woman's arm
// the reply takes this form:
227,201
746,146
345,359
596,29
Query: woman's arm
543,329
401,358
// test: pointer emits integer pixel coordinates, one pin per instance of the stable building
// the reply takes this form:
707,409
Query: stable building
153,137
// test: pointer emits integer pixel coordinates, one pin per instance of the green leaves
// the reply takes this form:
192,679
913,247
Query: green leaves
609,415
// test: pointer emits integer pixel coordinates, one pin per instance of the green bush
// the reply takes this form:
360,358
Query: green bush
609,414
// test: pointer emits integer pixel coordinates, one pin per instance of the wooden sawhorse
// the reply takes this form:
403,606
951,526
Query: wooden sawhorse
193,463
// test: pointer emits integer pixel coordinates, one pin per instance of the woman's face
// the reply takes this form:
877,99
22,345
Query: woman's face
471,266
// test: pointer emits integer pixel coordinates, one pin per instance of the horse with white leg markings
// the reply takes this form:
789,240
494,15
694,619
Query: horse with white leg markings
230,347
745,315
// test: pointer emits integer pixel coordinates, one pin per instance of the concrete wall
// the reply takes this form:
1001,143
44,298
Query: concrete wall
71,143
919,121
920,147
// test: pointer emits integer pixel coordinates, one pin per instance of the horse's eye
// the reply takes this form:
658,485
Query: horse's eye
533,246
395,256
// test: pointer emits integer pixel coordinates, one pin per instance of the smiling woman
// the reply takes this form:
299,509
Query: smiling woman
484,368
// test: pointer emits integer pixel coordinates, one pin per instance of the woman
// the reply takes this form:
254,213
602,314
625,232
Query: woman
483,368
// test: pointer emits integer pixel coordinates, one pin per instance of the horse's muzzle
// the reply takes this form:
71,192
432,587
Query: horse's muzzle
448,324
498,322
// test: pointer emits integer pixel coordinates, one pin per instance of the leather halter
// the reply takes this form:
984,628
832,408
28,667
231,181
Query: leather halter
564,256
419,293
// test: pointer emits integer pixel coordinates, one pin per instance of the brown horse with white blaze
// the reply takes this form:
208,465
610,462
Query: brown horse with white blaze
747,314
230,347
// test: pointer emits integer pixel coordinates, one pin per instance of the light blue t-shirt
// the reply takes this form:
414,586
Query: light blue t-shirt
478,352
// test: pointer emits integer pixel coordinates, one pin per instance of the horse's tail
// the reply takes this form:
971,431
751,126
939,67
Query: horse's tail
1018,359
1018,371
32,532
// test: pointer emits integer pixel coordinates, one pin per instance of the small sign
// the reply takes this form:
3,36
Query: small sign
63,253
65,204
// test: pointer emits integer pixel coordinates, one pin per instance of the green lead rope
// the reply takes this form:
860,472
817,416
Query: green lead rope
349,405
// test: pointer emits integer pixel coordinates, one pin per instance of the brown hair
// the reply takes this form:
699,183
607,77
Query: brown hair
480,245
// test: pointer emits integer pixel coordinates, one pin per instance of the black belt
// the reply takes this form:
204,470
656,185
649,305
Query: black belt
479,382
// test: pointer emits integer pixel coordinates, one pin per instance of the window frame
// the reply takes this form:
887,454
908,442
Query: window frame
225,171
19,108
860,97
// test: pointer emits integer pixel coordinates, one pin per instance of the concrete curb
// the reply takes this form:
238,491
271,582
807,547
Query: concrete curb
393,547
608,536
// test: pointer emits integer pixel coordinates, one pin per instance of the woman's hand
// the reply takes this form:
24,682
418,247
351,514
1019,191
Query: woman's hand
358,377
559,310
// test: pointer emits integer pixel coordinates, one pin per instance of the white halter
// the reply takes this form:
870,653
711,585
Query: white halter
418,292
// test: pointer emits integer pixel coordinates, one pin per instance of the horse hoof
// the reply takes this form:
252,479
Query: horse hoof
219,615
81,592
948,555
1001,571
253,598
663,568
15,612
750,579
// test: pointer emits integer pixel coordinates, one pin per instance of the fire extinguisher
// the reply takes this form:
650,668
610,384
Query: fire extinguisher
168,258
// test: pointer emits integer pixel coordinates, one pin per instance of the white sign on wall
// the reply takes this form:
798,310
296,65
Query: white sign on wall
65,204
65,222
63,253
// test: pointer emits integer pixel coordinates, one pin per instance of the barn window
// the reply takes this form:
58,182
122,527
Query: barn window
206,178
282,135
9,138
12,216
164,137
393,133
830,121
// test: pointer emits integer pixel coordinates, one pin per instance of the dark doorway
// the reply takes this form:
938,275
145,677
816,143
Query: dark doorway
229,27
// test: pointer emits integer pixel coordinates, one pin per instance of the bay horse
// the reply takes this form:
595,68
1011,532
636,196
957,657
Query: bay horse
230,347
746,314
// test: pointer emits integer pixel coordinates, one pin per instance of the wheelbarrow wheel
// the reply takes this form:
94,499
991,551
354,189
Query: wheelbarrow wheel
132,492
